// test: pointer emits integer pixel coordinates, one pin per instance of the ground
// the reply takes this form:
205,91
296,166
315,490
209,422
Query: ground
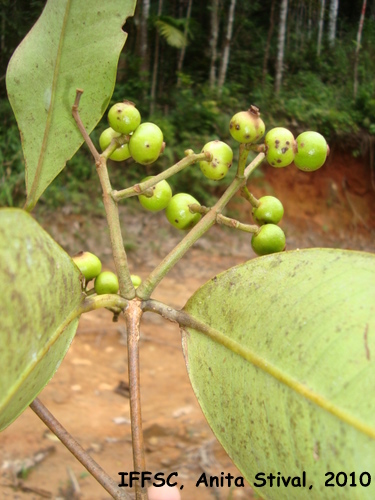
333,207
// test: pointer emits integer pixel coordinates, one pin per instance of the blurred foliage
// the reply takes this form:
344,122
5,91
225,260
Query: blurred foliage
317,93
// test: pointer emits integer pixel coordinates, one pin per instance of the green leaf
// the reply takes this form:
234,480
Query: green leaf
74,44
173,36
39,306
290,388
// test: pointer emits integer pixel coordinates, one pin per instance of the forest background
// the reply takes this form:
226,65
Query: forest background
189,66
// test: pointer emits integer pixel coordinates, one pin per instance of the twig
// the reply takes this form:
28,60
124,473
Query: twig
76,449
118,249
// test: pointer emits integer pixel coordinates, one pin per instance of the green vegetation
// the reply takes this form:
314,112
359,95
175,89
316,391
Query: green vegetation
192,109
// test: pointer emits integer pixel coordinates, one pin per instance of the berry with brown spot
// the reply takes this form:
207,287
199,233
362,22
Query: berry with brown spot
146,143
222,157
280,145
247,127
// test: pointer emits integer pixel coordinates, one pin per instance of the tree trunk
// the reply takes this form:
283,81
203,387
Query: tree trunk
321,25
156,64
333,8
281,43
359,36
213,41
144,39
183,50
268,43
228,39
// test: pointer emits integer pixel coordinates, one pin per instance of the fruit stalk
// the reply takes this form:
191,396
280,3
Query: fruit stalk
227,221
145,290
140,188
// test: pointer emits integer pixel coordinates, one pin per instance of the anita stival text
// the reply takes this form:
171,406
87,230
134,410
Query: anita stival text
158,479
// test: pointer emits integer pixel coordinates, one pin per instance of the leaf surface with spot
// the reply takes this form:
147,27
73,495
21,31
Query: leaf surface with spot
39,305
293,390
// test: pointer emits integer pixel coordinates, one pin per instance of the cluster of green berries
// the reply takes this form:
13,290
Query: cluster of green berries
144,140
177,207
91,269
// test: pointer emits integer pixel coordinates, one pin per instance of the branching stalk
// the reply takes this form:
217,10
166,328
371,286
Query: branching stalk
143,186
119,255
146,288
76,449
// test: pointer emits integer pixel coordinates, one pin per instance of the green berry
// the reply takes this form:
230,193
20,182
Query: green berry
136,280
89,264
106,282
124,117
161,195
247,126
312,151
122,153
222,157
279,147
178,212
269,239
146,143
270,210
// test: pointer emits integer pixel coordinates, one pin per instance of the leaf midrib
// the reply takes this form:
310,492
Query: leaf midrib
30,202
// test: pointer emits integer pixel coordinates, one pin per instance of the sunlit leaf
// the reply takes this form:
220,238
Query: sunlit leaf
74,44
41,294
294,389
173,36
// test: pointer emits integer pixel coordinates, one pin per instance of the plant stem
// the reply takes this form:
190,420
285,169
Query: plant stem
244,153
133,316
146,288
249,197
76,449
143,186
227,221
119,255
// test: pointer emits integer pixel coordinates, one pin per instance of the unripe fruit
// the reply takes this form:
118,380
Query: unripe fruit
279,147
222,157
136,280
88,263
312,151
161,195
270,210
146,143
106,282
178,212
124,117
269,239
122,153
247,126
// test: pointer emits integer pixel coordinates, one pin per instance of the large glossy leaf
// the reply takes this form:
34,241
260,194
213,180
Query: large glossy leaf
74,44
293,390
41,294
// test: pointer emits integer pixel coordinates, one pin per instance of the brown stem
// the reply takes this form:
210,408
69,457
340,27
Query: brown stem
76,449
133,316
81,127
